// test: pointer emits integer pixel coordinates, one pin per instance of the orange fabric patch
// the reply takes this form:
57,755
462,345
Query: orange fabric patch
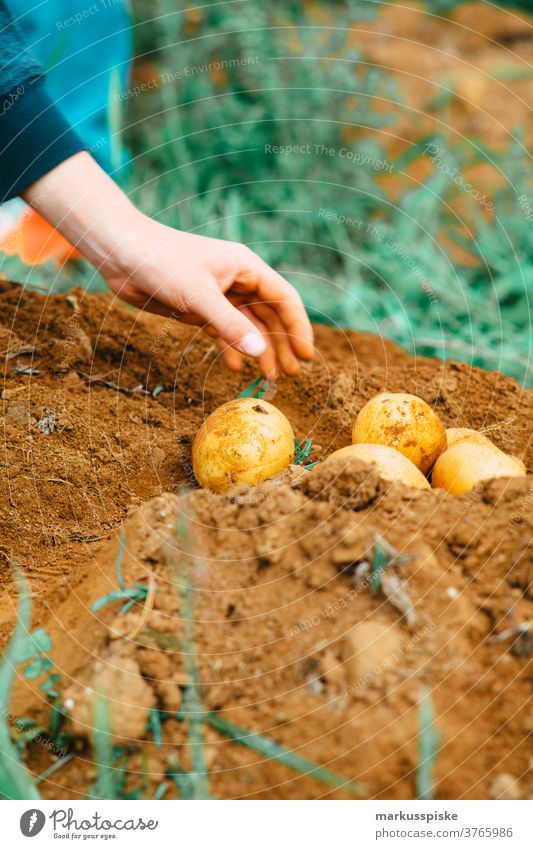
35,241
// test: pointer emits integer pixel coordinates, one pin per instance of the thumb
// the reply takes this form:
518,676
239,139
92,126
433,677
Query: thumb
231,325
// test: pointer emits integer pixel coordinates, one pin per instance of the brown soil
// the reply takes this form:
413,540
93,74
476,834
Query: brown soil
290,642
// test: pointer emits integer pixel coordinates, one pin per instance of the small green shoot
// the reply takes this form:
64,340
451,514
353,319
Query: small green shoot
131,595
256,389
56,733
35,648
157,390
134,595
302,454
380,561
428,747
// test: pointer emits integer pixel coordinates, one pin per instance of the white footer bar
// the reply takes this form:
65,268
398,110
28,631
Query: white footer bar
256,824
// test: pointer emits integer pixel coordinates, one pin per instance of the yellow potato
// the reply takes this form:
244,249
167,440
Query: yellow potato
465,465
390,464
404,422
243,441
458,435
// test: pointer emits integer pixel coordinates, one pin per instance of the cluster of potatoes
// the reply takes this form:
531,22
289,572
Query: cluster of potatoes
249,440
407,441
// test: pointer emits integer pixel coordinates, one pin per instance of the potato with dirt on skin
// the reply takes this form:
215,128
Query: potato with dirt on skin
244,441
465,465
460,435
404,422
390,464
457,435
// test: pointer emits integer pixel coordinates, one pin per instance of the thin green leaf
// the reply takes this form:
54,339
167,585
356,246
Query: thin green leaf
105,786
154,725
15,781
34,669
24,722
120,556
42,641
302,454
53,768
270,749
198,785
160,791
256,389
428,747
380,562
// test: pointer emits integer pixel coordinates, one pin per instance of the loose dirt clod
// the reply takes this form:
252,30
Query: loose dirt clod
505,786
371,648
118,679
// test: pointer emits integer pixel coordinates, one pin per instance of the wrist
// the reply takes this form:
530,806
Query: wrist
81,201
120,243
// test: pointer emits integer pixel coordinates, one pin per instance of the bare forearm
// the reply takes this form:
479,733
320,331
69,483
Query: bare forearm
88,208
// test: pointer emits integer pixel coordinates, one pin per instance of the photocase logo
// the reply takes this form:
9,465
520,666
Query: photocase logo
32,822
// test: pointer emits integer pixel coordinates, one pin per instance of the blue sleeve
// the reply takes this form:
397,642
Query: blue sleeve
34,136
16,62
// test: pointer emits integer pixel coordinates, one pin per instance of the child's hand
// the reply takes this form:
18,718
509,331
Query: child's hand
223,287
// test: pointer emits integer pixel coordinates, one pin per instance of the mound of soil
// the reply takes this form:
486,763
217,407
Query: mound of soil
267,590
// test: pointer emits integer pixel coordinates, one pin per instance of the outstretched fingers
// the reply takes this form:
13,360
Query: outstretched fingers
271,288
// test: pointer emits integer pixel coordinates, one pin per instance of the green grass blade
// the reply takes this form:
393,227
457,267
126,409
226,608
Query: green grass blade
105,786
198,784
270,749
256,389
120,557
379,564
154,726
428,747
136,594
160,791
53,768
15,780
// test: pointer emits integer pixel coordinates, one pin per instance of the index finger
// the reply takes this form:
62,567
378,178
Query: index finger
257,276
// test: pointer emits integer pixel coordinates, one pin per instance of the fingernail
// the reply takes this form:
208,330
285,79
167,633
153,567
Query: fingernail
252,344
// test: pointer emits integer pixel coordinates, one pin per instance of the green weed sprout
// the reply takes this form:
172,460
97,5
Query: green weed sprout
428,747
256,389
380,561
302,454
131,595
